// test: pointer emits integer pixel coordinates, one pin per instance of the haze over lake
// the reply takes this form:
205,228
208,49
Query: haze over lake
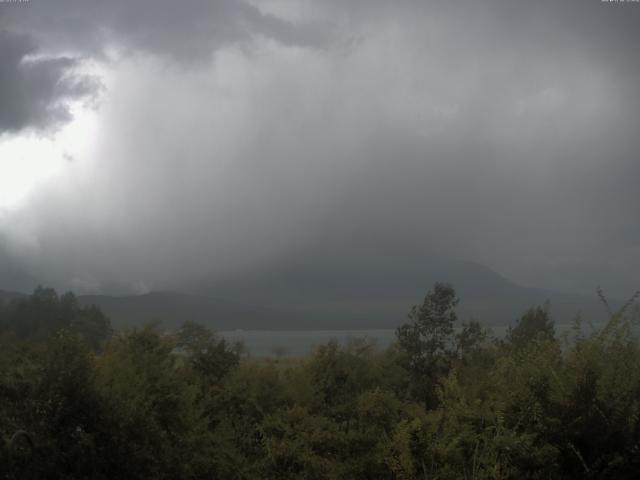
291,343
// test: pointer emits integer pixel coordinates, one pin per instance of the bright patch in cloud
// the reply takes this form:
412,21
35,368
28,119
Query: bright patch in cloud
28,161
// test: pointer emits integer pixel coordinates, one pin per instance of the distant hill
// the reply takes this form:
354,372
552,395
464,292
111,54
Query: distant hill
355,298
384,281
171,308
380,296
296,299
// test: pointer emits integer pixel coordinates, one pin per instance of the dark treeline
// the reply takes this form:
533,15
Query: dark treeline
78,401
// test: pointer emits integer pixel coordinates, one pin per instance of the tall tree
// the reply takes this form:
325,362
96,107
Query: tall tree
535,323
427,340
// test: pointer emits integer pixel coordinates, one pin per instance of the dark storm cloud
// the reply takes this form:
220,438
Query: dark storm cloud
34,91
185,30
501,132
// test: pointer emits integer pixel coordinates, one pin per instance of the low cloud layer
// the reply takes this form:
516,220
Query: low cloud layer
237,138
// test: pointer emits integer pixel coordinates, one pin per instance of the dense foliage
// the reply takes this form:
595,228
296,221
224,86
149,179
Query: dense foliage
42,314
445,401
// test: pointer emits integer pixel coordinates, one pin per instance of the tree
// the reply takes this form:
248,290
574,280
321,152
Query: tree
470,338
209,356
536,323
43,314
150,404
427,340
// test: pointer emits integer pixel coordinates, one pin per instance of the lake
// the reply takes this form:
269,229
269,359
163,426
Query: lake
265,343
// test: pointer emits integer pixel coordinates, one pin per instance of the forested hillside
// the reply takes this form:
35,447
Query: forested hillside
78,401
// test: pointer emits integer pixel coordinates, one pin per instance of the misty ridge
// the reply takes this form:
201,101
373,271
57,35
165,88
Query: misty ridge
295,299
298,239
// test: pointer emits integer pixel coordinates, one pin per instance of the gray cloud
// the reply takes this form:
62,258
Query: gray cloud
186,30
34,91
501,132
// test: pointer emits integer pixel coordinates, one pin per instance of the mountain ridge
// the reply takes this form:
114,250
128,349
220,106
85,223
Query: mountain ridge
302,300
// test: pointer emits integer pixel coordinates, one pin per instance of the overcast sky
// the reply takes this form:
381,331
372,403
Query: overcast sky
149,144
